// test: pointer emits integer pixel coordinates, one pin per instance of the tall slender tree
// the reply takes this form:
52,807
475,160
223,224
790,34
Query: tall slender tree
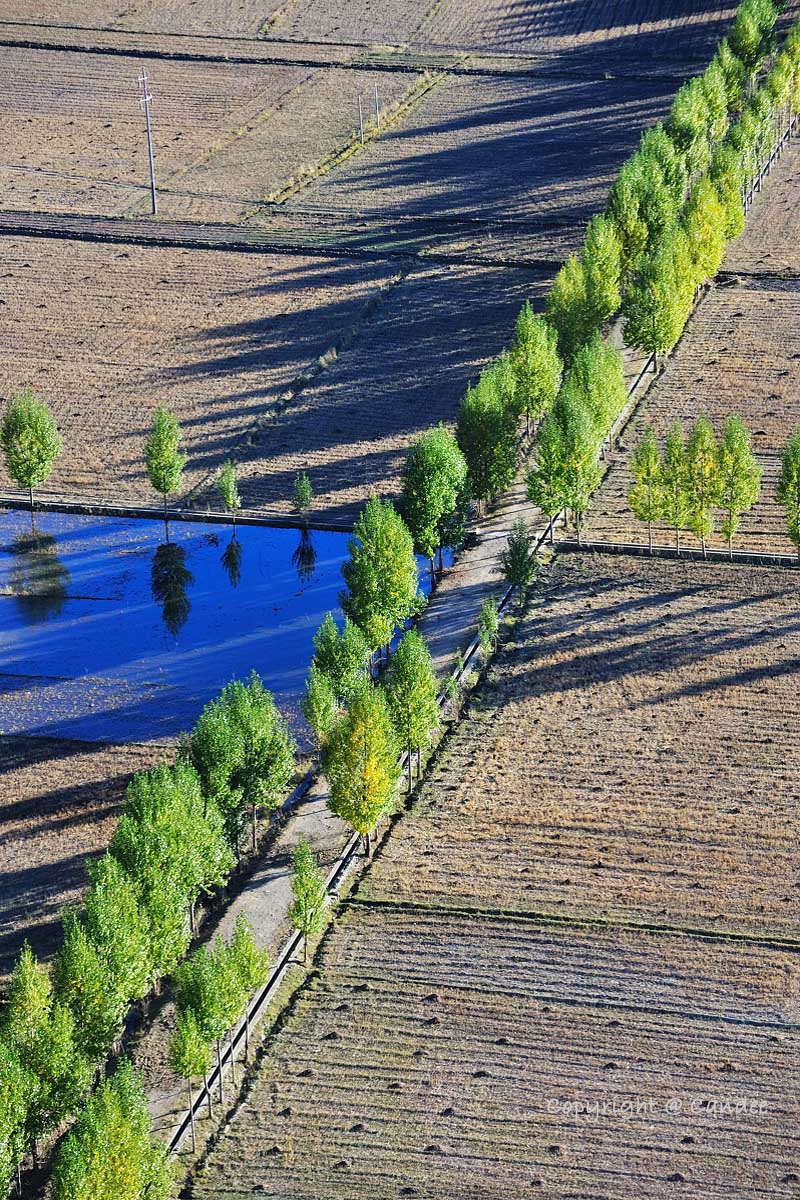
567,308
189,1056
676,512
308,910
739,476
411,691
646,495
602,268
163,458
537,363
788,490
546,480
228,489
433,477
380,573
486,432
30,440
702,479
361,765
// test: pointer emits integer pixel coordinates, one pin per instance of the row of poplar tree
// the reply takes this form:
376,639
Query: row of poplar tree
686,482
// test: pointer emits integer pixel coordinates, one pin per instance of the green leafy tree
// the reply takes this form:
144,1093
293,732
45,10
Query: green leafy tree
198,986
83,984
119,929
486,432
302,494
110,1153
251,963
739,476
688,125
243,752
581,469
537,364
624,209
674,470
319,705
715,94
568,307
18,1085
518,559
233,995
163,458
734,73
704,221
602,269
411,691
341,657
40,1031
746,39
657,304
702,479
788,490
488,626
546,480
361,764
657,146
30,440
657,203
433,477
189,1056
228,489
646,494
596,380
727,177
308,910
380,573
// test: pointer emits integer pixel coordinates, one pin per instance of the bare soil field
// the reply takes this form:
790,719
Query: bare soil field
437,1055
532,158
222,17
632,758
740,354
107,333
770,243
225,136
406,370
60,805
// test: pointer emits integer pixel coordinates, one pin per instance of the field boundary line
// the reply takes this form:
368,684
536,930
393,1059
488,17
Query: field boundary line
685,554
554,920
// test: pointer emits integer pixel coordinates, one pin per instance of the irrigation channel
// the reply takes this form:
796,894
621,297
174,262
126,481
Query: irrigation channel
110,631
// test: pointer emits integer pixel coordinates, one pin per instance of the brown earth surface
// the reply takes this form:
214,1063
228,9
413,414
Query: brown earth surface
217,336
770,243
740,354
225,136
60,805
448,1055
632,757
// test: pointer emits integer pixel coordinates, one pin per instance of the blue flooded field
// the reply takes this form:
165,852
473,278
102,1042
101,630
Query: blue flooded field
109,632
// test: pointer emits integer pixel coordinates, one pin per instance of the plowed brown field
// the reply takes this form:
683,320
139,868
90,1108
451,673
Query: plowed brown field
454,1056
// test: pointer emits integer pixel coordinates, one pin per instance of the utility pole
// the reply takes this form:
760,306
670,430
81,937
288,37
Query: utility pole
145,100
360,119
377,108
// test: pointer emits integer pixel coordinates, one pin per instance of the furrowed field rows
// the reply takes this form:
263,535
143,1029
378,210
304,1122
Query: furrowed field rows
632,758
740,354
225,137
217,336
60,804
771,240
406,371
159,16
539,154
399,1074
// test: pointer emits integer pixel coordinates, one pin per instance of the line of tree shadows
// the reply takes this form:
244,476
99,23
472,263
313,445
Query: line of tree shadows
39,580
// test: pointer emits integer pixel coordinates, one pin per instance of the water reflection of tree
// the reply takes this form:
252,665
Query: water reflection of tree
170,579
305,556
38,578
232,561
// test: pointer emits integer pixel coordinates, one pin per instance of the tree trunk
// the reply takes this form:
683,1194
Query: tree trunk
433,573
703,544
219,1072
730,547
650,536
255,828
191,1118
30,494
441,560
209,1099
305,948
192,923
410,771
368,844
233,1055
678,541
19,1180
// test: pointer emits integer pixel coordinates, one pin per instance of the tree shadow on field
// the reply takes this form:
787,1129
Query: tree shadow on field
680,640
